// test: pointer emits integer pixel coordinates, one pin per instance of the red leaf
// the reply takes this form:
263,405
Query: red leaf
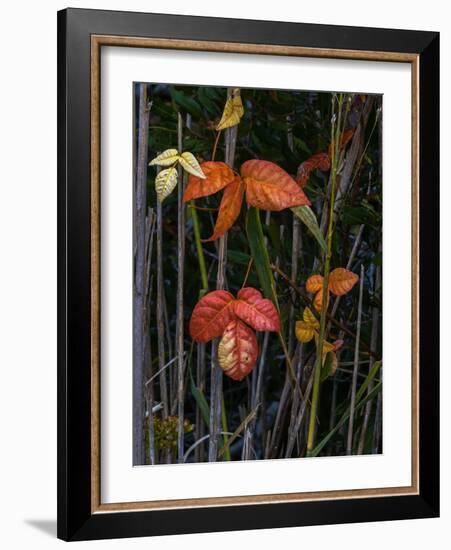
229,208
269,187
212,313
258,312
218,175
319,161
237,350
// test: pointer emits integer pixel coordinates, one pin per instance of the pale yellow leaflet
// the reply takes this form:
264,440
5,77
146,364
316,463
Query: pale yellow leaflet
233,111
166,158
165,182
189,163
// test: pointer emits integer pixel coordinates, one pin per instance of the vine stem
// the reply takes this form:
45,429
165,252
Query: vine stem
336,131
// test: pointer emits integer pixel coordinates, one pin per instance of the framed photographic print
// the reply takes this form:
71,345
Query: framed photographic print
248,274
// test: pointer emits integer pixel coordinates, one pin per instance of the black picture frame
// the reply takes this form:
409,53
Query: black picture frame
75,518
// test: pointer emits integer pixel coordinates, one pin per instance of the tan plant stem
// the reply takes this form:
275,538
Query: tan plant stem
355,372
139,278
179,309
160,313
374,337
216,372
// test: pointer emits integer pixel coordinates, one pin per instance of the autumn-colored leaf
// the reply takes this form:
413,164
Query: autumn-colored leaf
319,161
166,158
217,176
212,313
318,300
327,346
233,111
330,365
314,283
258,312
269,187
189,163
310,318
165,182
237,350
306,329
341,281
304,332
229,209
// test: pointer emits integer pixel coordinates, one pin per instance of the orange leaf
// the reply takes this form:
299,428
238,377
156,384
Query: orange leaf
318,300
319,161
269,187
341,281
237,350
258,312
314,283
218,175
212,313
229,208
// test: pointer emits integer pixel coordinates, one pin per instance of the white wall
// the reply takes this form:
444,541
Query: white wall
28,271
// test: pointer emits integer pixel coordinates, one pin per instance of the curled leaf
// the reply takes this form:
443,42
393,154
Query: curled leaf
258,312
269,187
166,158
165,182
237,350
330,365
341,281
212,313
229,209
189,163
314,283
318,300
233,111
217,176
319,161
330,360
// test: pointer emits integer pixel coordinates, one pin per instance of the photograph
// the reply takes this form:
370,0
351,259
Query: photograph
257,299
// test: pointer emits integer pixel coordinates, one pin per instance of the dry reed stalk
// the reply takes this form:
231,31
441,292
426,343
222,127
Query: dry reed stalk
160,315
216,372
139,277
349,441
149,389
374,337
179,308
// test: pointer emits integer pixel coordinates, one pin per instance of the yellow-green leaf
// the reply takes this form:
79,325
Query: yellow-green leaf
190,164
166,158
165,182
304,331
310,318
233,111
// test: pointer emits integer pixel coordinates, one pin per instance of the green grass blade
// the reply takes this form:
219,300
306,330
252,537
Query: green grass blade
377,388
360,401
308,218
260,255
201,402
